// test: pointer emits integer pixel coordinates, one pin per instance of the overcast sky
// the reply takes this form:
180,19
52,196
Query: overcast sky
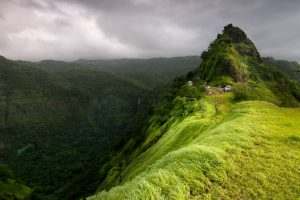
97,29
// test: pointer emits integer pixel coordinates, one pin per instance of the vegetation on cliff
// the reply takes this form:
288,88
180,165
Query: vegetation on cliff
232,145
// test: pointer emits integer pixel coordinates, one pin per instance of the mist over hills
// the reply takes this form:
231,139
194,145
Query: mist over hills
135,128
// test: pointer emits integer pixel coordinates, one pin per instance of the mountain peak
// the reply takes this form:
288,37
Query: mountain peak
235,33
228,55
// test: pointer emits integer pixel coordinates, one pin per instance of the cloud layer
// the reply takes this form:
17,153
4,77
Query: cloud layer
92,29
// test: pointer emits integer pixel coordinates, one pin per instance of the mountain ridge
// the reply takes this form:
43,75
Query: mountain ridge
193,143
51,102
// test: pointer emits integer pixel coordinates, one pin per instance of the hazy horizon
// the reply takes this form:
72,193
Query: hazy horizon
110,29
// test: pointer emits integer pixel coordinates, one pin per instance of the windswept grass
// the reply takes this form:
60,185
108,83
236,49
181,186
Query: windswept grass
251,151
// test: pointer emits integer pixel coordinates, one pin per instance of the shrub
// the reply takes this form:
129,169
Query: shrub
240,92
253,91
190,92
184,107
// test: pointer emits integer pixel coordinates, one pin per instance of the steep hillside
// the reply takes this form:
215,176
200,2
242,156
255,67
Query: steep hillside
250,150
60,120
56,129
229,55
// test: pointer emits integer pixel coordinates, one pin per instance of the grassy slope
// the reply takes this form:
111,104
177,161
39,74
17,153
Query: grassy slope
251,150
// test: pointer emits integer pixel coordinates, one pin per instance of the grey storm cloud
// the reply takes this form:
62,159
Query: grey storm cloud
72,29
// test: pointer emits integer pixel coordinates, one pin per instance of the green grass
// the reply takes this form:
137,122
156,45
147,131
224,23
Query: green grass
249,150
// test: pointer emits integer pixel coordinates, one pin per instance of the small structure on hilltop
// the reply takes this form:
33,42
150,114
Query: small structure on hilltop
190,83
227,88
210,90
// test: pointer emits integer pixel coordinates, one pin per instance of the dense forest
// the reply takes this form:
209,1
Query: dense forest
59,120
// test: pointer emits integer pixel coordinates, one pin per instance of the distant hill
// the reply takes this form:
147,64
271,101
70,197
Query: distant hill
151,72
292,68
